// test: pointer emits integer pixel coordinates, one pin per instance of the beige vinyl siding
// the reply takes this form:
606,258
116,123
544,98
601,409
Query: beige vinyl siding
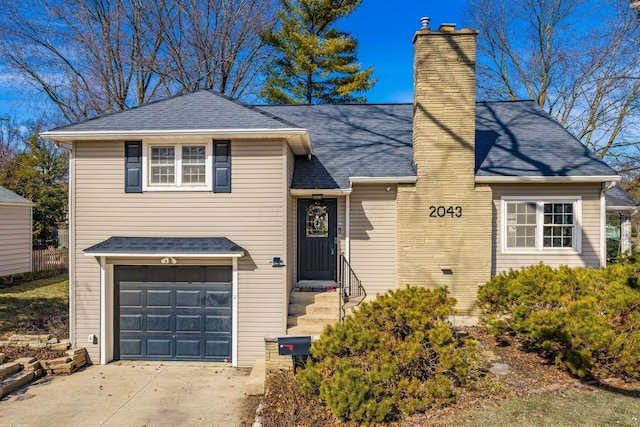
291,225
15,239
373,237
252,216
590,221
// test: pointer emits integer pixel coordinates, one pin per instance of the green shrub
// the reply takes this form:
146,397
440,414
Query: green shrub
583,318
394,355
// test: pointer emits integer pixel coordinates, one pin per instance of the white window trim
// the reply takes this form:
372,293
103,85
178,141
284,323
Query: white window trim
146,166
540,201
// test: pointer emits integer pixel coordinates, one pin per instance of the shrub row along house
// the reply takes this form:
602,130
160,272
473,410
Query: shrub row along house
193,218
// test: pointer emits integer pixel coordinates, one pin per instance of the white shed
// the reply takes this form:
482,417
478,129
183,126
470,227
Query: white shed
15,233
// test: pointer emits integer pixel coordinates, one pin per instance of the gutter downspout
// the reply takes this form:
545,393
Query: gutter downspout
72,262
606,186
347,231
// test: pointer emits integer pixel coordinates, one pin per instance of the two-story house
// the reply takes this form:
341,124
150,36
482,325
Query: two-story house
194,218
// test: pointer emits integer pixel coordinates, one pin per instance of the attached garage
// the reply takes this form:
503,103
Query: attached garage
168,298
173,313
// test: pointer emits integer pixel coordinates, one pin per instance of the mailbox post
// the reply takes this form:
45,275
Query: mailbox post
298,347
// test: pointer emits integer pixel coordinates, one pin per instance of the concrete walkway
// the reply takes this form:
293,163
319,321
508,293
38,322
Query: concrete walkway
134,394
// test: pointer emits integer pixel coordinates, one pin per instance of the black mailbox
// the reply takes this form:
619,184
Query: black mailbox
294,346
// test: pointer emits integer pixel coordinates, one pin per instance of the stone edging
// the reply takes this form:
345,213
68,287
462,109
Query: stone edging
36,341
24,370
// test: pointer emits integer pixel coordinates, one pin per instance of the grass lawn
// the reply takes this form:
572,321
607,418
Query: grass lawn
38,307
583,406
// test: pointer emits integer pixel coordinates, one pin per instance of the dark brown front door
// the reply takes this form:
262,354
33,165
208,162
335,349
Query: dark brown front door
316,239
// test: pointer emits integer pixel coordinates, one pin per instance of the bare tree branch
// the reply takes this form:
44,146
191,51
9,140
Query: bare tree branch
578,59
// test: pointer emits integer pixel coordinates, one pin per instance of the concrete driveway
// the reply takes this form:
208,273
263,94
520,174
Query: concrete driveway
135,394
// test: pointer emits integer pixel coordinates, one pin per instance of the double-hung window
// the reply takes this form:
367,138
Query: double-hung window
541,224
179,166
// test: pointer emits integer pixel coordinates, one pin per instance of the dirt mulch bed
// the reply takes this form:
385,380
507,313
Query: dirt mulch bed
13,353
526,373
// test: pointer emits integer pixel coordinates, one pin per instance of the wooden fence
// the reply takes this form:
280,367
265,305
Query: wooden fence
50,259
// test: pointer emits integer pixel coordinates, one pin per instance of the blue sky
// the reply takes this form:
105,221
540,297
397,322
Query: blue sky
384,29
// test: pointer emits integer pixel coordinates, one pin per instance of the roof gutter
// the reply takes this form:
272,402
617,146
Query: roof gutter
324,192
545,179
164,255
18,204
74,135
383,179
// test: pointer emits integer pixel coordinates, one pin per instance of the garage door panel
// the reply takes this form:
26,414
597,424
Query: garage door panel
131,322
160,348
188,323
131,298
215,324
189,348
132,347
168,320
159,298
218,299
218,349
188,299
159,323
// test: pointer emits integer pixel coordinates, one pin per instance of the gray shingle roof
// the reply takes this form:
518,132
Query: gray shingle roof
7,196
166,246
518,138
203,109
514,138
617,198
351,140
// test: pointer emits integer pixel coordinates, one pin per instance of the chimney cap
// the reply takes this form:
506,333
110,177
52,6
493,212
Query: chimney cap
424,21
447,26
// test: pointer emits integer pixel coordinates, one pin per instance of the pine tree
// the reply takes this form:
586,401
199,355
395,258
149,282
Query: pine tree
314,61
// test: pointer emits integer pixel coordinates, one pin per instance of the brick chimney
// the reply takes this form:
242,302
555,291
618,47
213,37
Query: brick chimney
445,220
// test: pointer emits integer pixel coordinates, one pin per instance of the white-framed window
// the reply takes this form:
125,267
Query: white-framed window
177,166
549,224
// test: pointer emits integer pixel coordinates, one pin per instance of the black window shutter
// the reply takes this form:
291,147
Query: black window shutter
133,166
222,166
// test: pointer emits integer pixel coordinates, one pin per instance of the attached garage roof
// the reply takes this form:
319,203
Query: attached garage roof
166,246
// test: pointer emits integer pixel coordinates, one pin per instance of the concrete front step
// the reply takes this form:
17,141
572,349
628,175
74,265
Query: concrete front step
311,320
314,331
311,297
330,308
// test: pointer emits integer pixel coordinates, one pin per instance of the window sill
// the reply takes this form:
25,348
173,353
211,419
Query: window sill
550,251
168,189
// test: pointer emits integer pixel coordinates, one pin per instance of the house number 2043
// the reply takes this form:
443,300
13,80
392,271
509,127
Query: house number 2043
442,211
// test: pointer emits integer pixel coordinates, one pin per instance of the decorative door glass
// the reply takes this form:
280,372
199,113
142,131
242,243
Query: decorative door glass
317,221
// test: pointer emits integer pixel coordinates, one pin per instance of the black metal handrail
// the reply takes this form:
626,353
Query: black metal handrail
352,293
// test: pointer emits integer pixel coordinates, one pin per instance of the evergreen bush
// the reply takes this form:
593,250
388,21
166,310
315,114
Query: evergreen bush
394,355
585,319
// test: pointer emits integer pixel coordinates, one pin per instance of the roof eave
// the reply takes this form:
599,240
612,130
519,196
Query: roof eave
324,192
546,179
383,179
163,255
18,204
298,138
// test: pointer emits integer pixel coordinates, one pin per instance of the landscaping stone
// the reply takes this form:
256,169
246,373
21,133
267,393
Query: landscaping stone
25,361
499,368
37,341
14,381
1,358
8,369
25,369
